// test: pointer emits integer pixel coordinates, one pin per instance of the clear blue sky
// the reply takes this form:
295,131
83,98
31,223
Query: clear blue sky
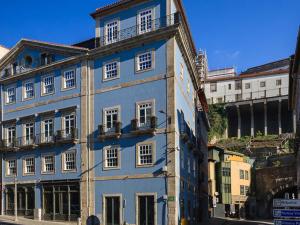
240,33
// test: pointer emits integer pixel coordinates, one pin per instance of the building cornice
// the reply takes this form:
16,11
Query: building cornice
250,75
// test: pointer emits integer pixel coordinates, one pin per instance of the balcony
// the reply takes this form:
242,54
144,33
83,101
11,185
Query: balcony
9,145
148,128
27,142
44,140
185,131
112,133
67,136
138,30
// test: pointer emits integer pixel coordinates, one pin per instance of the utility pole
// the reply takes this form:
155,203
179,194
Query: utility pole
15,199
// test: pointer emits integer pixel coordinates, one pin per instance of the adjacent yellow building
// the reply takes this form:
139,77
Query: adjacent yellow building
229,182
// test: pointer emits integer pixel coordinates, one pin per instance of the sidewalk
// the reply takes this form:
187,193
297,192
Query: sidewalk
25,221
224,221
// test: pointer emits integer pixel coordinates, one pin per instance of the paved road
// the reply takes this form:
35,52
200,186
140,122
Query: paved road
235,222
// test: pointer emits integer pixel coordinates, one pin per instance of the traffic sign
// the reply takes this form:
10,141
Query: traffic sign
278,203
283,213
286,222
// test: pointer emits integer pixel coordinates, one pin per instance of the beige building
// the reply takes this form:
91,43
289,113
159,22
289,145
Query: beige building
229,182
3,51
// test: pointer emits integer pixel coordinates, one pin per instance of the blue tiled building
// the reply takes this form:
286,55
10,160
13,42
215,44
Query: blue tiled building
112,130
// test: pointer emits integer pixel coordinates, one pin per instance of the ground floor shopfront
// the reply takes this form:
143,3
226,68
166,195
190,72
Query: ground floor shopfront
47,200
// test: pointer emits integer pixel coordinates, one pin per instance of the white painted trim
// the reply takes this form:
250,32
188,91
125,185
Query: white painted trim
63,81
104,69
152,51
137,154
152,8
43,84
6,95
117,107
43,155
63,161
24,165
6,166
104,157
23,89
137,111
137,195
104,206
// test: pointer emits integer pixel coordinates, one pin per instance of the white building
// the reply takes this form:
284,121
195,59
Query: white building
3,51
256,100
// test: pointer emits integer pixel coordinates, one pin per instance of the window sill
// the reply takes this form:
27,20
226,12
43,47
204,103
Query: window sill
111,168
143,71
68,89
47,94
110,79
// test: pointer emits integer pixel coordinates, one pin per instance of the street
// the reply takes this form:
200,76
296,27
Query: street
219,221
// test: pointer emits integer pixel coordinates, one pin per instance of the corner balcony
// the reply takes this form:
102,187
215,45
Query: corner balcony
138,30
142,129
69,136
113,133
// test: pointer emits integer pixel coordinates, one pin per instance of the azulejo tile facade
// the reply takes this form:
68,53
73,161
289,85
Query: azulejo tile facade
111,130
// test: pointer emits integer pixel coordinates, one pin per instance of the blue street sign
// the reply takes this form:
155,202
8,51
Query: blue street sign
286,222
283,213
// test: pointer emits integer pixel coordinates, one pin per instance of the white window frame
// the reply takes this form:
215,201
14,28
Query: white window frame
181,71
137,113
137,61
153,148
64,169
46,138
113,39
7,167
64,81
139,20
137,195
43,92
104,113
63,122
25,140
25,172
104,71
7,102
104,196
24,92
7,133
107,148
43,163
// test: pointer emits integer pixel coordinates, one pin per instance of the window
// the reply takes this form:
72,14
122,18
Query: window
28,90
188,87
246,190
247,86
47,130
69,79
144,112
112,157
194,167
227,188
28,61
112,210
144,61
213,87
11,136
226,172
69,161
189,164
111,117
238,85
111,32
278,82
48,163
181,71
182,157
242,190
111,70
145,154
229,86
242,174
246,175
10,95
238,97
145,21
28,138
29,165
262,84
146,209
48,85
11,167
220,100
69,122
47,59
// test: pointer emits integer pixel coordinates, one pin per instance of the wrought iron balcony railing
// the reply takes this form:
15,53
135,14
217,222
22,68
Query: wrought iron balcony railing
137,30
67,135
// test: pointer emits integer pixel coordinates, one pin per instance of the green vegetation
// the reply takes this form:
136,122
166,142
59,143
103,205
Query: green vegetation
218,121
